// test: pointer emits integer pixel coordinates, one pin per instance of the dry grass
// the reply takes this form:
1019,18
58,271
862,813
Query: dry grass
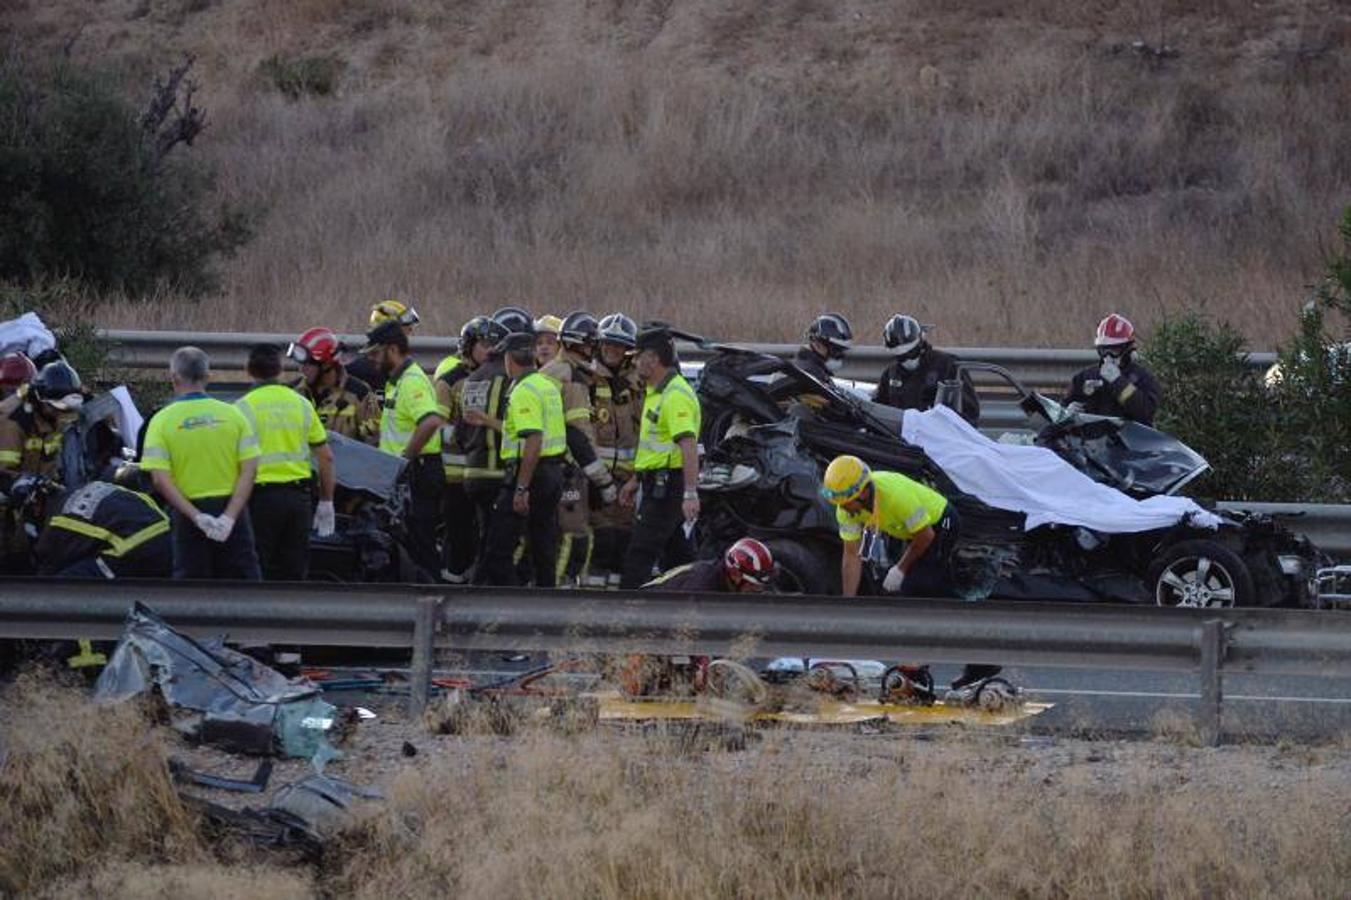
638,814
1007,170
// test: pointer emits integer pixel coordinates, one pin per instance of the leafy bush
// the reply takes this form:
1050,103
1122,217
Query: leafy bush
92,191
1285,436
303,76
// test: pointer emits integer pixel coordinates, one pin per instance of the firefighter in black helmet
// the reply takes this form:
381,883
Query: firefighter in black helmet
913,378
827,340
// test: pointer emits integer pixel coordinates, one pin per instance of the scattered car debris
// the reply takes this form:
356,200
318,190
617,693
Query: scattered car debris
255,785
217,695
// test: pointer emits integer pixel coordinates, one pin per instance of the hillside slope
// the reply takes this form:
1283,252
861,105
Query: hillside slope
1007,170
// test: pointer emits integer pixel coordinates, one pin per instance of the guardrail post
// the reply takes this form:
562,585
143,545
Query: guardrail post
1212,689
424,648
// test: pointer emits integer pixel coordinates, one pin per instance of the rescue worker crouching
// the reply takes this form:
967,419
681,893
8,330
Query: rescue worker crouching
533,444
203,458
346,405
891,505
461,521
667,463
747,567
912,380
410,427
105,530
281,508
1119,386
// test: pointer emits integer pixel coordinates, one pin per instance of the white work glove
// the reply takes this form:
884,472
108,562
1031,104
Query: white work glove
325,519
220,531
609,494
895,578
1110,370
1074,409
204,522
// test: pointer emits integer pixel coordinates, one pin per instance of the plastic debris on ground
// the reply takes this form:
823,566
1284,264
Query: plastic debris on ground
217,695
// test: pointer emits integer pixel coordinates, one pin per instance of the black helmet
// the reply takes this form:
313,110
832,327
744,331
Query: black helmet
515,319
491,332
903,334
57,384
832,329
469,333
617,328
579,328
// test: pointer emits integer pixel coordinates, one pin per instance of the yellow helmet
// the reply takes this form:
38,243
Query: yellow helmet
393,311
549,325
846,478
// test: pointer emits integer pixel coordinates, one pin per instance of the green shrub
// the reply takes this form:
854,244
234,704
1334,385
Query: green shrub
303,76
93,190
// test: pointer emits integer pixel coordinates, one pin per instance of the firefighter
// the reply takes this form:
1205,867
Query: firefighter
585,472
104,530
346,405
462,527
890,505
289,431
827,340
410,427
16,371
1118,385
746,568
534,441
203,457
32,421
616,404
912,380
547,344
364,367
667,464
483,407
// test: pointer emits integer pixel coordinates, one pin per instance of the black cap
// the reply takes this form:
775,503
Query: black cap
517,340
386,332
654,335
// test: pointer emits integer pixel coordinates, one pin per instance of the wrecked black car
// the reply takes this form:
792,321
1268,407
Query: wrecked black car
371,496
1122,535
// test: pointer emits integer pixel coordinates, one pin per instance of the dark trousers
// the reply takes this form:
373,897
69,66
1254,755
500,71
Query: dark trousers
282,515
932,575
426,482
540,527
657,534
196,556
153,559
482,496
460,515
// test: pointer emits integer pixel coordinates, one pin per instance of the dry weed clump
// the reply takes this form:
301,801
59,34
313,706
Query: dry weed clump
81,784
611,816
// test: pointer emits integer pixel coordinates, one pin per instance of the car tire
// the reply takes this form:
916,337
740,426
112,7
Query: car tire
1201,574
805,568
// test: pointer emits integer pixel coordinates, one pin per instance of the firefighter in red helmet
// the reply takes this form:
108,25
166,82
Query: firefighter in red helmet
1118,386
345,403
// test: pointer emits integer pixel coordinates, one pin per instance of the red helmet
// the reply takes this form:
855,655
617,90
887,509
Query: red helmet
318,345
748,564
1114,331
16,369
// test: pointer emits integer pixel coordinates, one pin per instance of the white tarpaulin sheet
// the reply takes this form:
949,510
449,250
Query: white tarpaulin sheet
26,334
1033,480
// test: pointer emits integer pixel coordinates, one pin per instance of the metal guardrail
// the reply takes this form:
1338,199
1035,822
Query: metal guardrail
1208,642
228,350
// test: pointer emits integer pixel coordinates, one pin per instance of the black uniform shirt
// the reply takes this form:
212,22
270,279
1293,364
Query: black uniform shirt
1135,395
919,389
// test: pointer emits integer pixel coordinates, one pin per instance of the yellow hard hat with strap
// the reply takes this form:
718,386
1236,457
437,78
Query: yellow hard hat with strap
846,478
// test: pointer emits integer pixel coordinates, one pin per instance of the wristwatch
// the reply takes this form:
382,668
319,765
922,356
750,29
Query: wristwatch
522,488
691,495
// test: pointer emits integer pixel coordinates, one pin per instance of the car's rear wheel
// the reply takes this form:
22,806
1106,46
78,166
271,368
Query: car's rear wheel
805,568
1201,574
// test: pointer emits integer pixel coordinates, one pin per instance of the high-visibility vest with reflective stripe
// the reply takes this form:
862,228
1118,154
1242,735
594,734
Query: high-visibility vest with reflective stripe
902,507
200,442
121,519
484,390
287,426
670,411
445,366
409,398
534,406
